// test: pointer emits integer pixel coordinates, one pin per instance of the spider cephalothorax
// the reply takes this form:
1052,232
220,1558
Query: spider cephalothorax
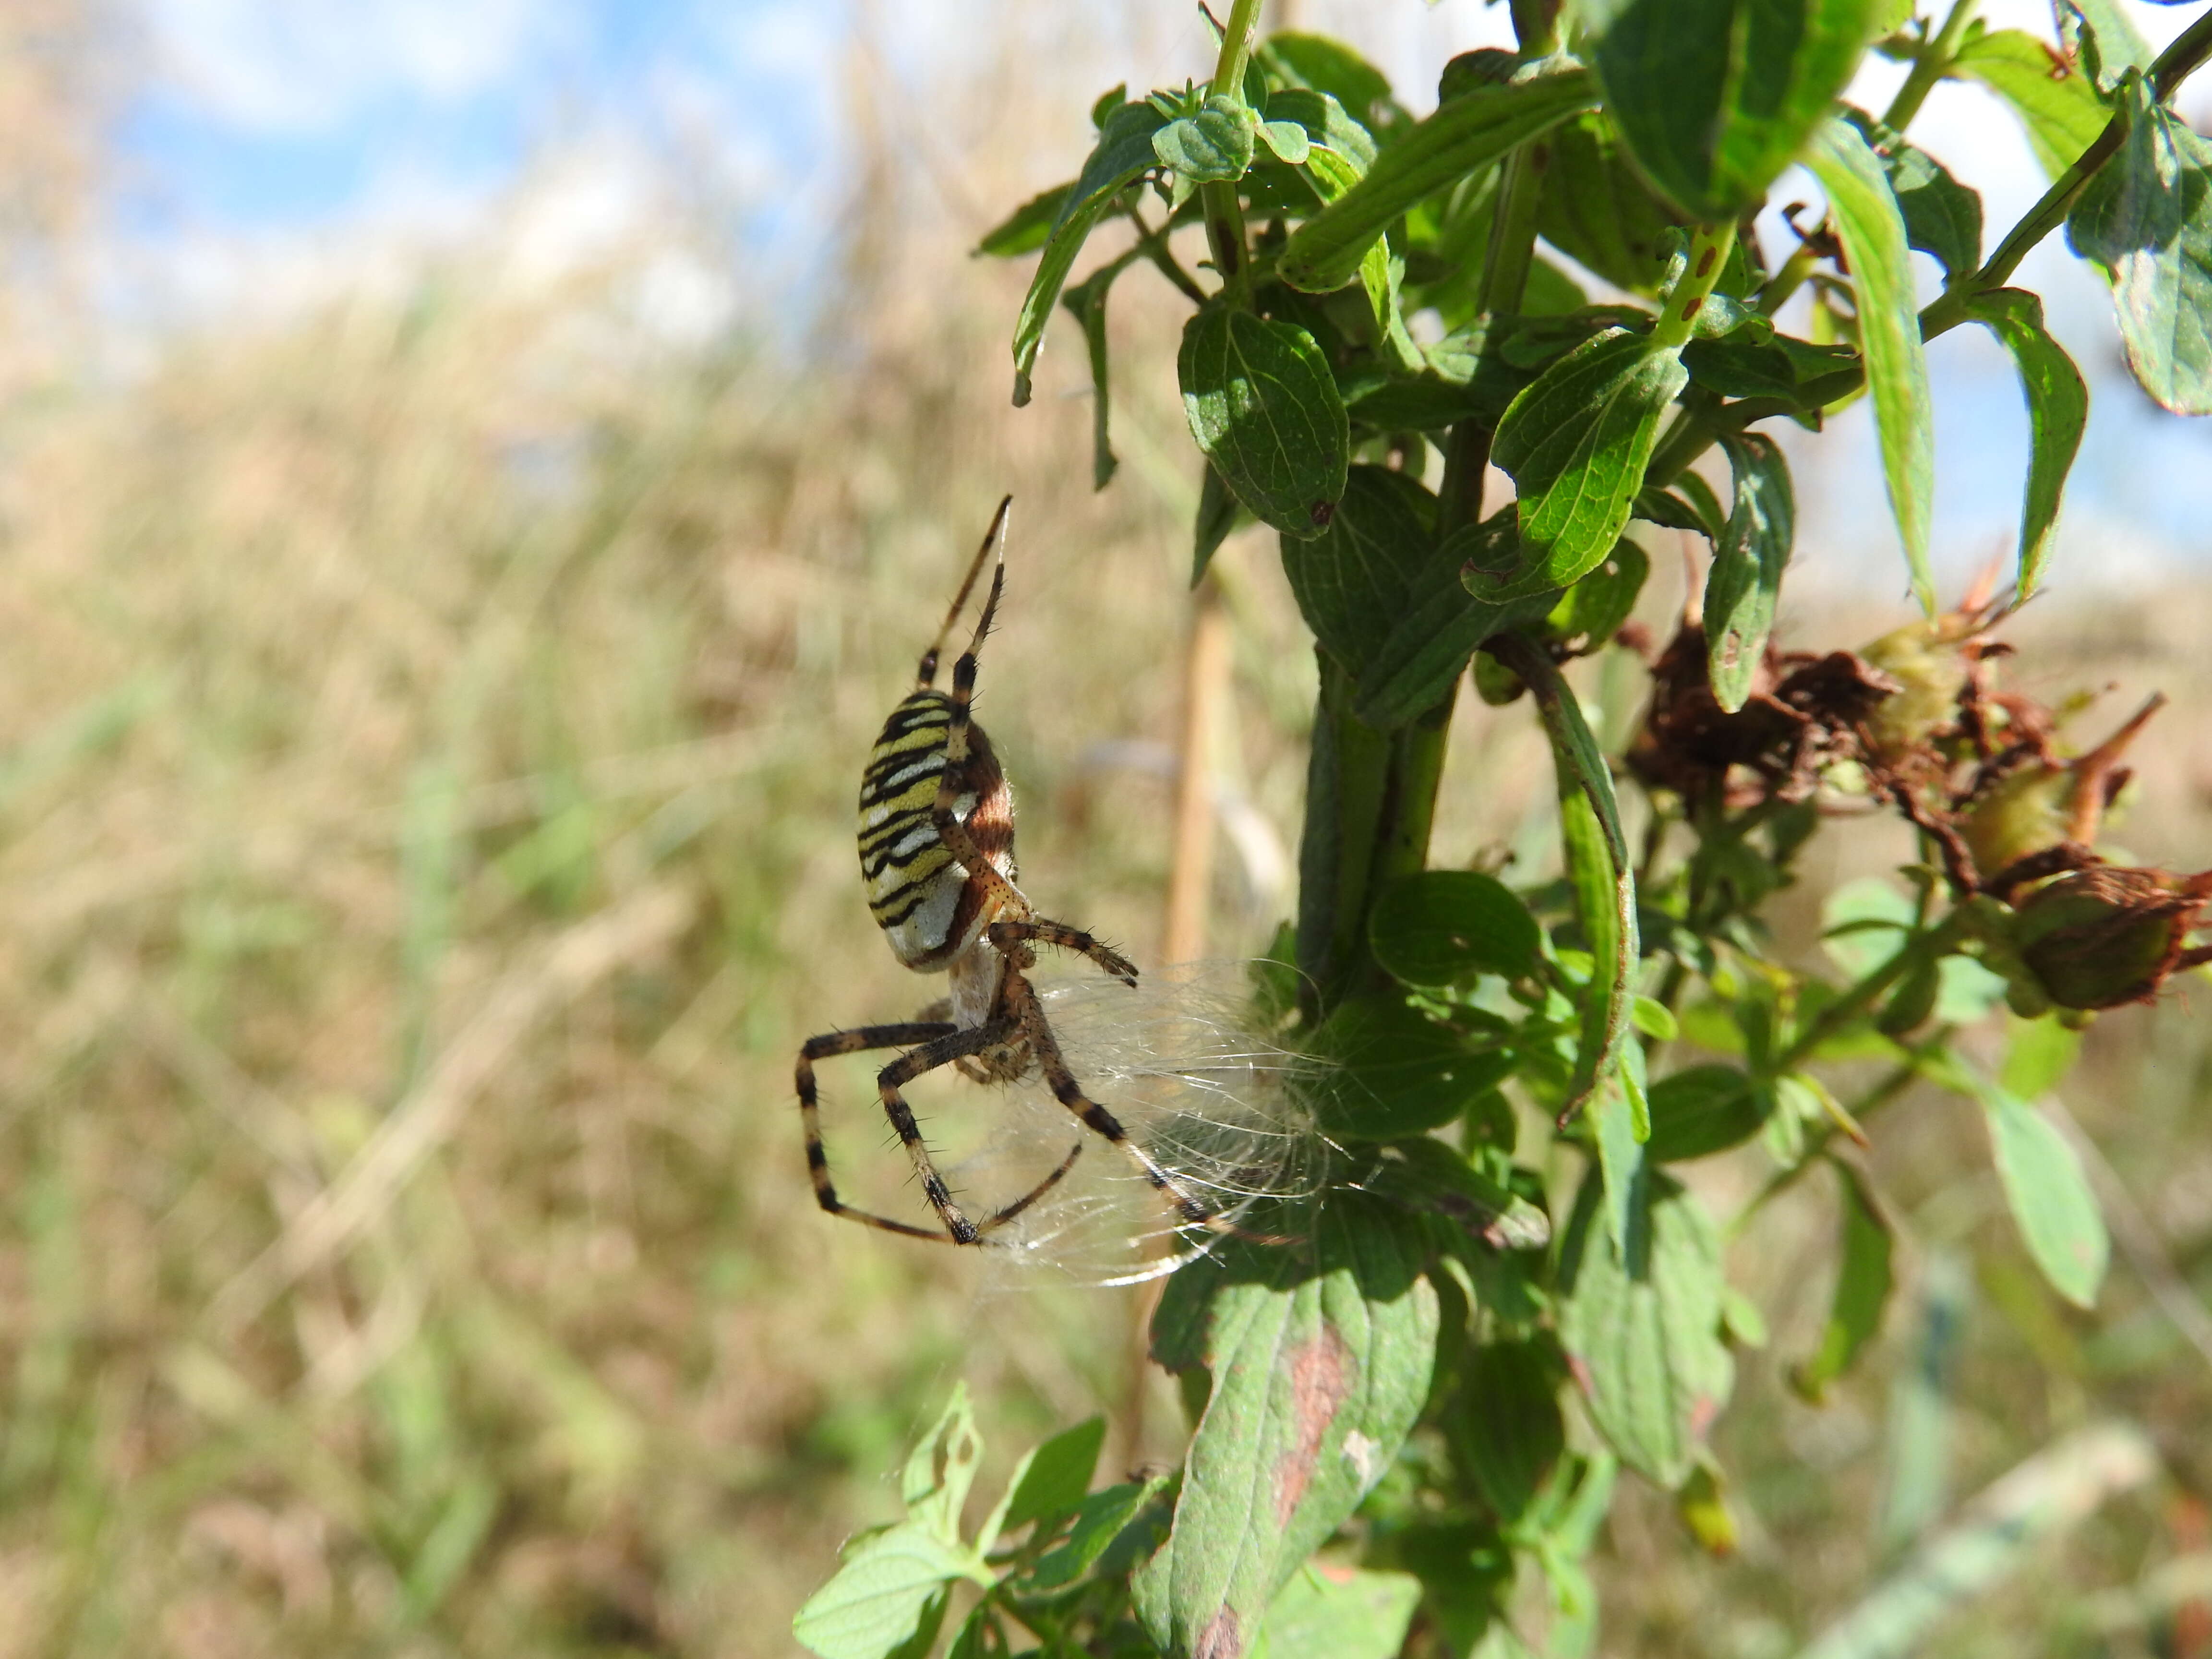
937,855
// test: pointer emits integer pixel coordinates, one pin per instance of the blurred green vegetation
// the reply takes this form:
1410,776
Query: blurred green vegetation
428,735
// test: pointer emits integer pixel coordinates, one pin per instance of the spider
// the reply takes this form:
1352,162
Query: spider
937,853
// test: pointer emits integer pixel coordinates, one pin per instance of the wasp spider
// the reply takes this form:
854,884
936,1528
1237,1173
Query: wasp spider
937,853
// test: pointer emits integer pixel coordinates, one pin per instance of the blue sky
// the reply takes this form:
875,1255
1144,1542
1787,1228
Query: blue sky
266,124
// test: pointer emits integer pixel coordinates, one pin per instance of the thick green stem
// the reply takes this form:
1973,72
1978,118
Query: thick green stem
1933,64
1224,212
1349,789
1709,251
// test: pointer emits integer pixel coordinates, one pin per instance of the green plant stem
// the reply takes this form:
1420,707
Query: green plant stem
1154,244
1350,789
1932,65
1708,251
1224,212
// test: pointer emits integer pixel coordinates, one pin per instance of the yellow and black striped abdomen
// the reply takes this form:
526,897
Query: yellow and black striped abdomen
915,888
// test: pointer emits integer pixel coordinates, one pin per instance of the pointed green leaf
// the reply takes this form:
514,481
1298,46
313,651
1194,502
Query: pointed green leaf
1316,62
1353,579
1598,867
1214,145
1863,1287
1596,211
2053,99
1504,1427
2146,218
1620,1149
1591,612
1942,216
1123,155
1444,927
1873,235
1701,1110
1470,132
1320,1363
2049,1195
1577,442
1100,1521
1057,1475
880,1597
1744,579
1642,1333
1716,97
1328,1612
1025,229
1265,411
1087,303
1392,1071
940,1469
2057,412
2037,1056
1439,630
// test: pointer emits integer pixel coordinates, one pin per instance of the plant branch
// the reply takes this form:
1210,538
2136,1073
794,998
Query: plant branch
1858,998
1933,63
1154,244
1224,212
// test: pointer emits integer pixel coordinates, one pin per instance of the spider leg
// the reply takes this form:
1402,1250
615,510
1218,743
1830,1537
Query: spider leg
810,1110
941,1042
1005,935
950,1049
1022,997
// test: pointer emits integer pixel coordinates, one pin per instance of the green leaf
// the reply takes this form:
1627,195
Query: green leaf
1429,646
2057,412
1595,209
1123,155
2054,101
1265,411
1643,1332
2049,1195
878,1598
941,1468
1326,126
1504,1426
1577,442
1320,1364
1701,1110
1324,254
1394,1072
1716,97
1422,1173
1873,235
1863,1286
1316,62
1748,365
1598,870
1025,229
1057,1476
2039,1055
1214,145
1620,1111
1353,579
1100,1520
2108,37
2146,218
1591,612
1338,1613
1942,216
1218,512
1744,579
1443,927
1087,303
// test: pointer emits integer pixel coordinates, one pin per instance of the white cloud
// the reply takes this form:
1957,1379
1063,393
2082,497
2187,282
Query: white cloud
299,66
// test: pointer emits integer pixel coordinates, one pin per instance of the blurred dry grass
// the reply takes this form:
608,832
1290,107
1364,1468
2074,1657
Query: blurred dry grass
426,739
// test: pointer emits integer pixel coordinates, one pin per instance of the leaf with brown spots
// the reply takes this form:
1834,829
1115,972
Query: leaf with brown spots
1319,1361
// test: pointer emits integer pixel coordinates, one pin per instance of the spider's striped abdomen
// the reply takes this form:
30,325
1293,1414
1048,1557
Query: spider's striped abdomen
927,906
